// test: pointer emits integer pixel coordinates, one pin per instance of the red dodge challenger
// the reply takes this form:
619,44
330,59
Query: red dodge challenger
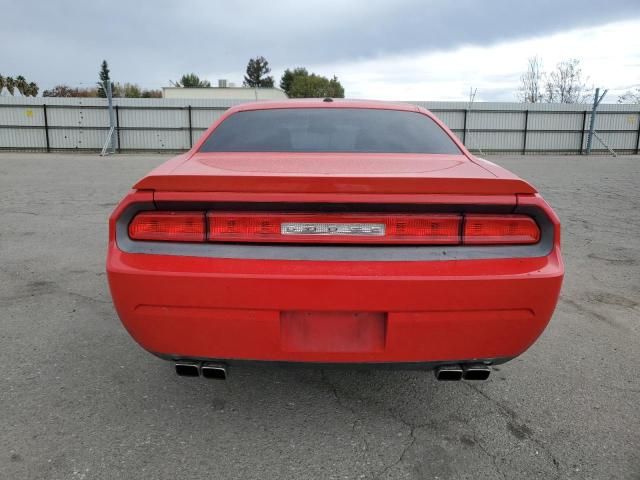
333,232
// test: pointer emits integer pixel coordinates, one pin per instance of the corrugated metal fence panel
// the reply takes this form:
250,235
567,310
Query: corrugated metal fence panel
204,118
74,138
618,141
22,138
479,120
609,121
154,139
454,119
163,124
22,116
197,133
27,127
495,141
151,117
553,141
556,121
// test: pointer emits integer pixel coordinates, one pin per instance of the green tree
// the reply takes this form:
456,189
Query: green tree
104,78
67,91
151,94
10,84
21,85
32,89
131,90
316,86
26,89
127,90
191,80
289,75
258,73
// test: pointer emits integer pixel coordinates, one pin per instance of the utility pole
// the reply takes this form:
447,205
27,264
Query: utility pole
597,98
467,113
472,96
109,145
112,121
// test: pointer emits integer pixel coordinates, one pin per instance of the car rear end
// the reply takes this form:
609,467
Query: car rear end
334,258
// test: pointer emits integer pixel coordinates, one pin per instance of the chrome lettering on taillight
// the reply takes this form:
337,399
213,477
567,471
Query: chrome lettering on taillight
346,229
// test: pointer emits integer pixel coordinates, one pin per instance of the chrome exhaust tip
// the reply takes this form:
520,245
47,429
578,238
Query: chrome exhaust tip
476,372
214,371
449,373
187,369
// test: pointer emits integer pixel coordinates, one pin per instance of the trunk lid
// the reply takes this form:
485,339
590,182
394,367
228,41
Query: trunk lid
353,173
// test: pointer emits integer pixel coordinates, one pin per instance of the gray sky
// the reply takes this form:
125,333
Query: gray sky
394,49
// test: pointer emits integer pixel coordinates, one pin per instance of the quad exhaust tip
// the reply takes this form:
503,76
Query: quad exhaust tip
187,369
215,371
449,373
459,372
476,372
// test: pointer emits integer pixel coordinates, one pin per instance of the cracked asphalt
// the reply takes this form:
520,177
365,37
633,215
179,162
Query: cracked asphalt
80,400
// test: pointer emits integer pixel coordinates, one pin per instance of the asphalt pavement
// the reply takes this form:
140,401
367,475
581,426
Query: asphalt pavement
80,400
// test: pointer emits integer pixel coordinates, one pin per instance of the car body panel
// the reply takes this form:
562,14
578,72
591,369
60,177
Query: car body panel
328,307
332,173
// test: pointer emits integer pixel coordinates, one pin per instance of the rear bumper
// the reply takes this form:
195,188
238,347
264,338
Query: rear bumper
308,311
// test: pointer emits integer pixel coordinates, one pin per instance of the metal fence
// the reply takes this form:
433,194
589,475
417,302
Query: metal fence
53,124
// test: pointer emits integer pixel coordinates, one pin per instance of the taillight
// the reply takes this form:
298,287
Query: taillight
500,229
168,226
334,228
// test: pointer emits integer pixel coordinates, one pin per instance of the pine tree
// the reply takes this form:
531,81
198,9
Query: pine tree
257,73
104,78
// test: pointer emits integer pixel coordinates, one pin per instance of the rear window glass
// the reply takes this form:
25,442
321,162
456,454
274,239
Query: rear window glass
329,130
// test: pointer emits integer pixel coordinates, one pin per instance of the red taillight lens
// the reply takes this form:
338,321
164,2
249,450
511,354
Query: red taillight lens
500,229
334,228
168,226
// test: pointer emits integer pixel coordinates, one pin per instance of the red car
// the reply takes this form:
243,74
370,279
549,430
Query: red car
334,232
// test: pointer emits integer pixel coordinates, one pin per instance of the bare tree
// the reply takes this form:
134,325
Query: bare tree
532,81
565,84
630,96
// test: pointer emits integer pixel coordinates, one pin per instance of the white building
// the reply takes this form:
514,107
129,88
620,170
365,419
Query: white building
225,91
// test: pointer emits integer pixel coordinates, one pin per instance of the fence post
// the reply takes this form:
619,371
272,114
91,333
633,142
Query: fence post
526,127
584,125
464,128
638,139
118,127
112,122
597,98
190,129
46,126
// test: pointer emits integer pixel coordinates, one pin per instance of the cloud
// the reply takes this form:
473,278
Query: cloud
152,42
609,55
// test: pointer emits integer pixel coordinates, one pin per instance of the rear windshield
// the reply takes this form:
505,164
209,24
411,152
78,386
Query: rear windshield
329,130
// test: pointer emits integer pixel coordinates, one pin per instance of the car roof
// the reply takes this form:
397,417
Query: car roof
321,103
